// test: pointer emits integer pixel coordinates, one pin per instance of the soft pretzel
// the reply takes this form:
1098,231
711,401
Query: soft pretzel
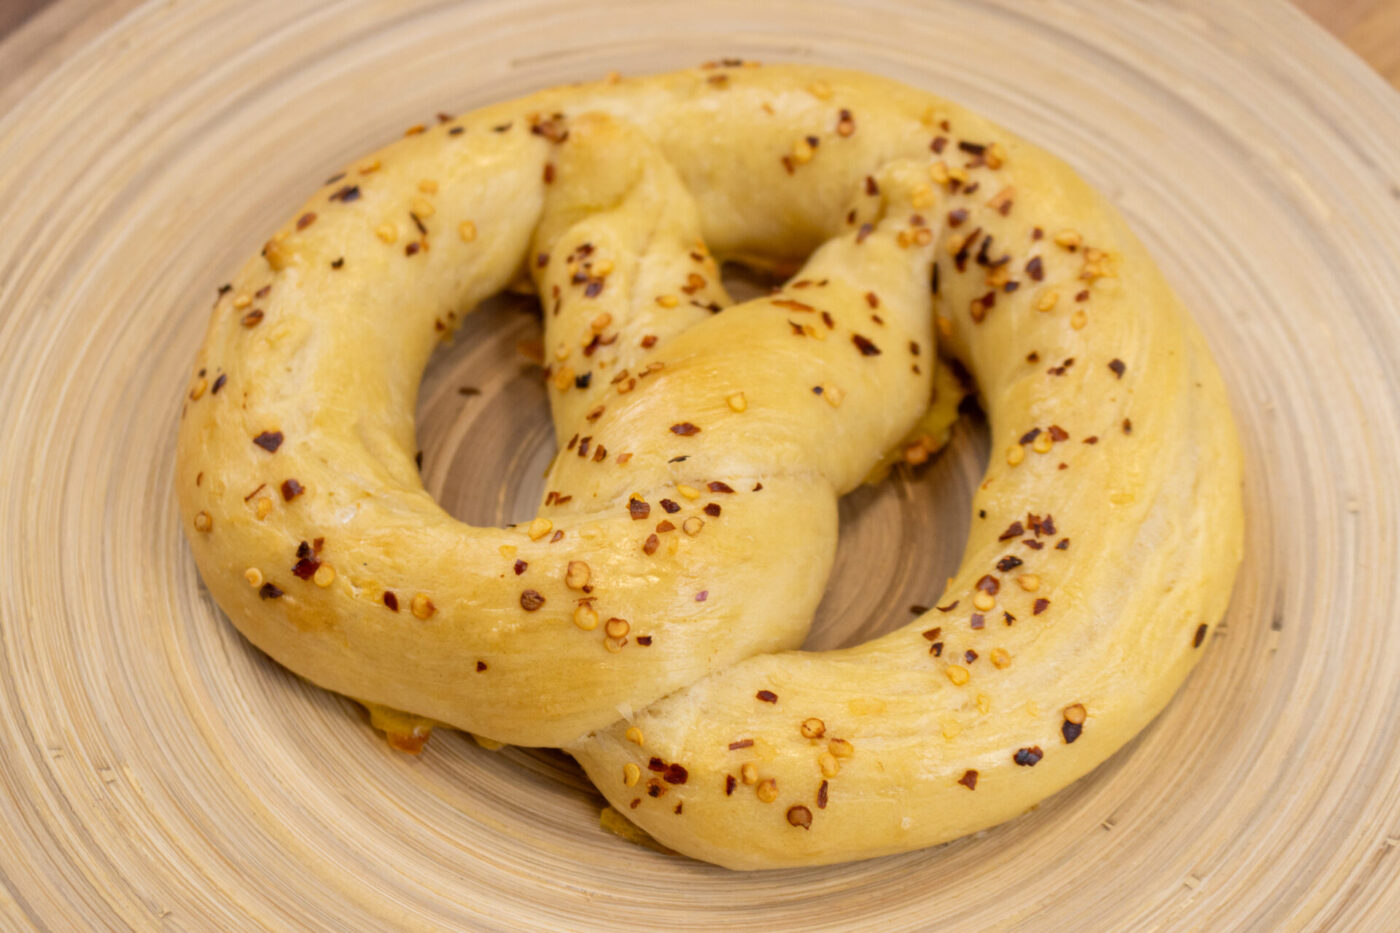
688,526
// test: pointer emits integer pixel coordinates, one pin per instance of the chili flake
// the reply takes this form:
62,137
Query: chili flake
269,441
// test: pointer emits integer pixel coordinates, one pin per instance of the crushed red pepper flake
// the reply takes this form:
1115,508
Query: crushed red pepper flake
1040,605
969,779
729,785
253,318
716,486
306,568
270,591
822,796
269,441
799,816
954,604
531,600
218,383
933,633
712,509
685,429
865,345
965,250
291,489
1118,367
1009,562
742,743
391,601
767,696
1200,635
989,584
1028,757
670,506
520,567
652,543
1014,530
638,508
977,621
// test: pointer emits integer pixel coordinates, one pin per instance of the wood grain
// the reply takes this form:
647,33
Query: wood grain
158,773
1371,28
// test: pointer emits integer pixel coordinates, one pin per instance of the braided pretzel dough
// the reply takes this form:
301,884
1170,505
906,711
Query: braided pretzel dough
689,523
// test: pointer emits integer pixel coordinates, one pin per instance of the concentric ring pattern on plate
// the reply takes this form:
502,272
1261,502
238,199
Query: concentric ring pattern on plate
159,773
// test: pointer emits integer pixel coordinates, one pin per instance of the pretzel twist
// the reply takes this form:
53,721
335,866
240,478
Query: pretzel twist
641,620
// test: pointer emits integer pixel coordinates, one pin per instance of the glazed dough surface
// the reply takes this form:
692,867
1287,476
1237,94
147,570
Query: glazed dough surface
1105,535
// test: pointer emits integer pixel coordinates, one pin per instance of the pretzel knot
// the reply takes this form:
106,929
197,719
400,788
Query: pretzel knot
643,619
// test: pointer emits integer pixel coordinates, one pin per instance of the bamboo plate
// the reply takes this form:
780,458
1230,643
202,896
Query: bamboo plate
159,773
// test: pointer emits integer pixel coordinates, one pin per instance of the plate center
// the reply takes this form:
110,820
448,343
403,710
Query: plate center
484,426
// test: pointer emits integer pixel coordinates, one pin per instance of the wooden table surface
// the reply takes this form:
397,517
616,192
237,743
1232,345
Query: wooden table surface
1371,28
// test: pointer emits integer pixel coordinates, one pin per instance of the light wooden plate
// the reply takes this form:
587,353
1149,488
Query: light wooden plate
158,772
